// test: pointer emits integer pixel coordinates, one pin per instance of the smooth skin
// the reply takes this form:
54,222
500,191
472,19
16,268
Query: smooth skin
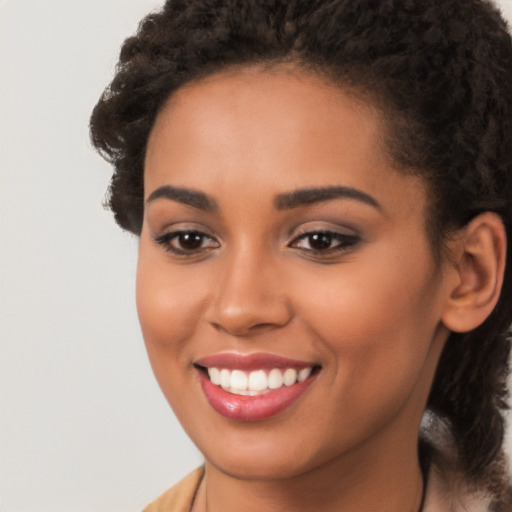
229,263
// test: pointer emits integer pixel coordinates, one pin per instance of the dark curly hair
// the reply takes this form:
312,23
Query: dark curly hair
440,71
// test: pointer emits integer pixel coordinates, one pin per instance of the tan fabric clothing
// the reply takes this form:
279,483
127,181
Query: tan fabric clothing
180,497
439,496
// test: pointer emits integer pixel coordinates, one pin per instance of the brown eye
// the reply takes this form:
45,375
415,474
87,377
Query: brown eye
189,240
320,241
324,242
183,243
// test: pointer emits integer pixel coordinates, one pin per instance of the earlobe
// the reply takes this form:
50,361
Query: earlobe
479,263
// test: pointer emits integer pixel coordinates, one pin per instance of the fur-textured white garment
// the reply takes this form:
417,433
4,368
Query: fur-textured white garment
448,493
447,489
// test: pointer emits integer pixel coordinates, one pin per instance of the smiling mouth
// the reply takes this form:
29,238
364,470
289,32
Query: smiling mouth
253,387
256,382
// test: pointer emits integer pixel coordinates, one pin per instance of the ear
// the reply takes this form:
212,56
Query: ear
477,266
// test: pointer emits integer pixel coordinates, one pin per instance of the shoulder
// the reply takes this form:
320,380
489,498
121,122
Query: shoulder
180,497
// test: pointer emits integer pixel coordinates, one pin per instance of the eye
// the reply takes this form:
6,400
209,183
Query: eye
324,242
186,242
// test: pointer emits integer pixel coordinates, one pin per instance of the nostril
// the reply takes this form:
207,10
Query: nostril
244,329
241,311
248,316
262,326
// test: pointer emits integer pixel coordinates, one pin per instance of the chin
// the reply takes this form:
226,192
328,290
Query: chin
278,467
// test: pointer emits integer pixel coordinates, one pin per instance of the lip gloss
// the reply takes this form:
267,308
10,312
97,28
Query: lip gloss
251,408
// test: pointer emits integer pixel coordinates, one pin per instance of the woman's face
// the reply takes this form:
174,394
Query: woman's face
280,247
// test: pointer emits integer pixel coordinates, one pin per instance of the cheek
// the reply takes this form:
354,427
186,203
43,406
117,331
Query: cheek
168,307
371,294
378,319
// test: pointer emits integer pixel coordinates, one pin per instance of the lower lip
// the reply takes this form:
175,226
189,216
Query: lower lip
252,408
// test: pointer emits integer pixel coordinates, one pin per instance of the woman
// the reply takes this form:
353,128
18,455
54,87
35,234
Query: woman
322,191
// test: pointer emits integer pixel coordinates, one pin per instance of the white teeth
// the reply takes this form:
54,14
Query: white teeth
256,382
214,374
290,377
225,378
275,379
239,380
303,374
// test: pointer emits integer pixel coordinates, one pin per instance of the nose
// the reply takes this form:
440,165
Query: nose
249,296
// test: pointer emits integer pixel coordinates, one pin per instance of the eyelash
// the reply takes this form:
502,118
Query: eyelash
167,239
344,242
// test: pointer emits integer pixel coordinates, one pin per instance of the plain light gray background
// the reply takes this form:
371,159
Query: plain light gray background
83,425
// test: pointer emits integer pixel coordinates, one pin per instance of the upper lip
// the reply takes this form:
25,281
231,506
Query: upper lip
248,362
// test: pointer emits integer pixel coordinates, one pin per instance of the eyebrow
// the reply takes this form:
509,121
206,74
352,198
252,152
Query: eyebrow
186,196
284,201
309,196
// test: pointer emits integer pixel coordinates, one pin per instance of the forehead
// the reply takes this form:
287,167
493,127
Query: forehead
262,130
